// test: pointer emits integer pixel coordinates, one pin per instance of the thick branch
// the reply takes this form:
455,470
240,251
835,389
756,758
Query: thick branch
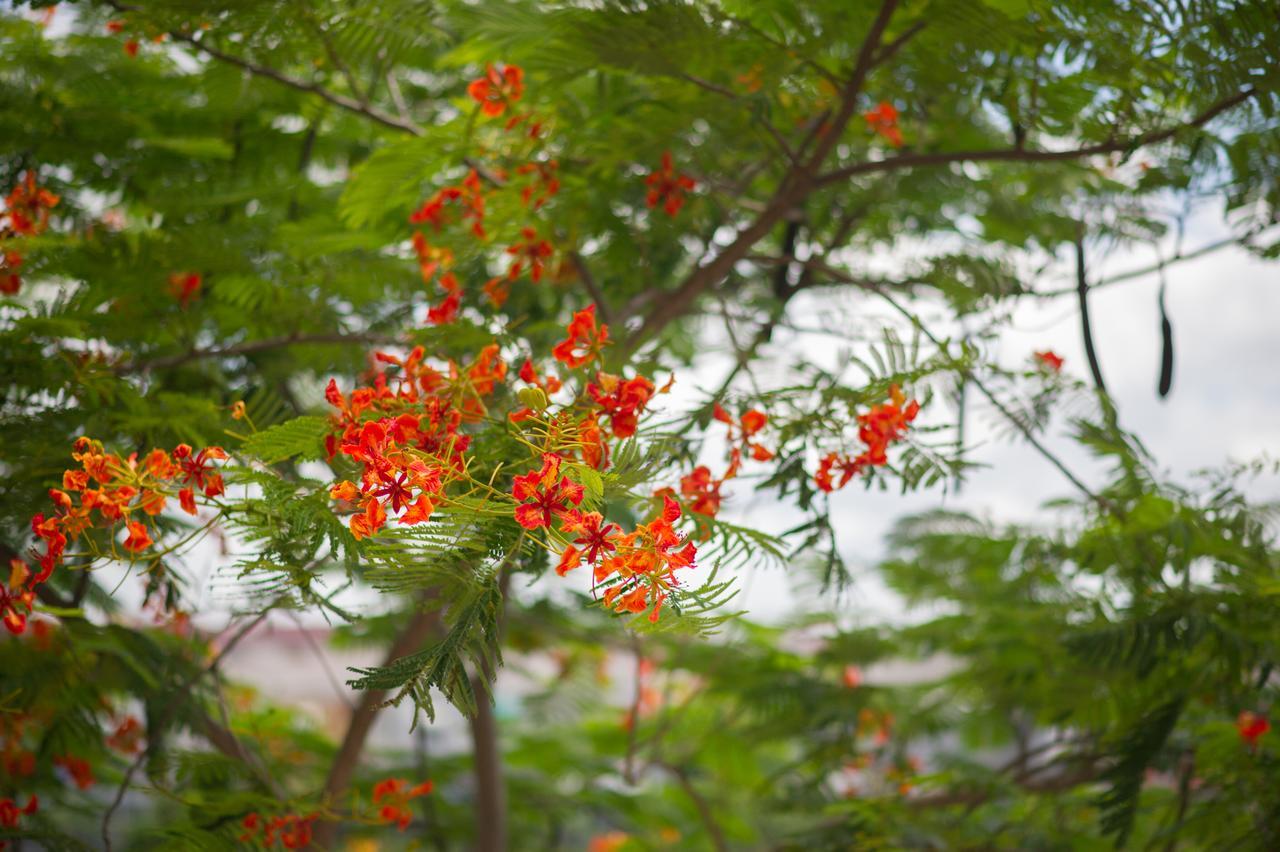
797,184
415,634
942,158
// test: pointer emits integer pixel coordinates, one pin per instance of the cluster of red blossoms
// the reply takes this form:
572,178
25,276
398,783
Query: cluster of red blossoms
109,491
700,486
393,797
1251,726
290,830
11,814
25,214
412,448
537,180
883,121
883,425
667,186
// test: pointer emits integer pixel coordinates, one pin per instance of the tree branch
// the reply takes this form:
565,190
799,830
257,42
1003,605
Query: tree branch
254,346
593,286
700,803
907,161
343,769
350,104
1086,330
795,185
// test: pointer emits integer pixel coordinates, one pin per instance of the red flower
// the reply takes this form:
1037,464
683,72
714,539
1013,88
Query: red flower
595,536
127,736
704,489
497,90
10,813
883,120
1049,360
1251,727
198,468
585,340
445,312
544,185
79,770
10,280
394,798
532,251
184,286
740,436
645,563
852,677
131,48
622,400
880,427
17,598
667,187
27,207
549,497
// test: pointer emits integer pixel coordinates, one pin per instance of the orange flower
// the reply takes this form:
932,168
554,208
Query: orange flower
497,90
369,521
667,186
883,120
139,538
585,340
883,425
852,677
611,842
394,798
704,489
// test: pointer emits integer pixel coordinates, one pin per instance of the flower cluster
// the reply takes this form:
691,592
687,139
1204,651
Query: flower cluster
110,491
25,214
11,814
667,186
883,121
394,796
883,425
700,488
412,446
290,830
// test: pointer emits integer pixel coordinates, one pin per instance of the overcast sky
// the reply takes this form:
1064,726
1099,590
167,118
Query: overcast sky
1224,405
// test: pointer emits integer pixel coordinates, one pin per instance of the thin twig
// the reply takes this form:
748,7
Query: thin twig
593,286
254,68
907,161
182,695
254,346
